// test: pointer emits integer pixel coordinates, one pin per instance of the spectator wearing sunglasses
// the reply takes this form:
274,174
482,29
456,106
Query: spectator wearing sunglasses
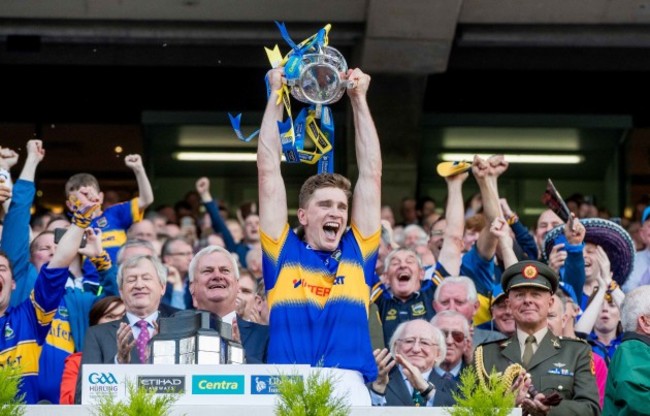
406,374
455,328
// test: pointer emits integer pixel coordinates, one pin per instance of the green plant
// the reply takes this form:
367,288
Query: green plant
11,403
317,398
473,399
140,402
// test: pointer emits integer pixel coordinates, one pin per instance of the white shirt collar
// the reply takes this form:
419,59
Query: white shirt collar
133,320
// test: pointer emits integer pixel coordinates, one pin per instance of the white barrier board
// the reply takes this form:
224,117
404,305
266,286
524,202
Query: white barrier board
205,384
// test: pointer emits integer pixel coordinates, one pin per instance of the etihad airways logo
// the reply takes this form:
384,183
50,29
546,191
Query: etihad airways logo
163,384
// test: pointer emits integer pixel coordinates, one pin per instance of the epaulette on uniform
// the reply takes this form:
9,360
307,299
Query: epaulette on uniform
580,340
505,342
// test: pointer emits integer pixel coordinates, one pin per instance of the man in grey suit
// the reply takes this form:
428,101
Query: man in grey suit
141,280
416,347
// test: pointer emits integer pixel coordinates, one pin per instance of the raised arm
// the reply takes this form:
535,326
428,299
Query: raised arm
145,193
86,202
452,244
366,202
35,155
486,173
272,192
218,224
500,228
8,159
15,233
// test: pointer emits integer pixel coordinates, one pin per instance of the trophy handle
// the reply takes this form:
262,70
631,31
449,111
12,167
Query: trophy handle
350,84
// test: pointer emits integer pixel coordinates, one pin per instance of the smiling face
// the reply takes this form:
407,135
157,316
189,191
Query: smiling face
215,282
141,288
418,345
503,318
403,273
530,307
592,268
325,218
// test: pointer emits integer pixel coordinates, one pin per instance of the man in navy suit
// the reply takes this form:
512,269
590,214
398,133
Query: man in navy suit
214,284
141,280
406,374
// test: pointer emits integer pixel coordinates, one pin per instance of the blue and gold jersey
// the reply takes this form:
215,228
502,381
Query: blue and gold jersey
59,344
394,311
114,222
25,327
318,301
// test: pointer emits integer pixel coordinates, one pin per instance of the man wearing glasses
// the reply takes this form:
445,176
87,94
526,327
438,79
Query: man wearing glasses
561,369
455,329
406,374
176,255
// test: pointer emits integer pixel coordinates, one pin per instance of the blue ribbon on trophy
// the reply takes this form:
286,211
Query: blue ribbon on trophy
312,69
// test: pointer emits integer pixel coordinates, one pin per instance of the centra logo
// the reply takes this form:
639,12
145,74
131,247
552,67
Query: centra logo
102,378
215,384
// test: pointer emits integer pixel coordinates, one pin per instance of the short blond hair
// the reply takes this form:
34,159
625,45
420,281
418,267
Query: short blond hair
323,180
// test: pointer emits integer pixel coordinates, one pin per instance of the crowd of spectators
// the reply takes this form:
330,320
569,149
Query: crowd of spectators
89,287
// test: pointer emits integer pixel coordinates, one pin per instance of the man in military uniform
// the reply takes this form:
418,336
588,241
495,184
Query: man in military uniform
557,366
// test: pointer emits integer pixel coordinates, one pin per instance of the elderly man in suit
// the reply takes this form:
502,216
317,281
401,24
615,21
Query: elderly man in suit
561,369
214,284
141,280
416,347
455,330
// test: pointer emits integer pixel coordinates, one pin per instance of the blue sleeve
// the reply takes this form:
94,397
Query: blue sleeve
525,240
108,281
47,295
15,240
219,226
574,271
481,271
178,299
